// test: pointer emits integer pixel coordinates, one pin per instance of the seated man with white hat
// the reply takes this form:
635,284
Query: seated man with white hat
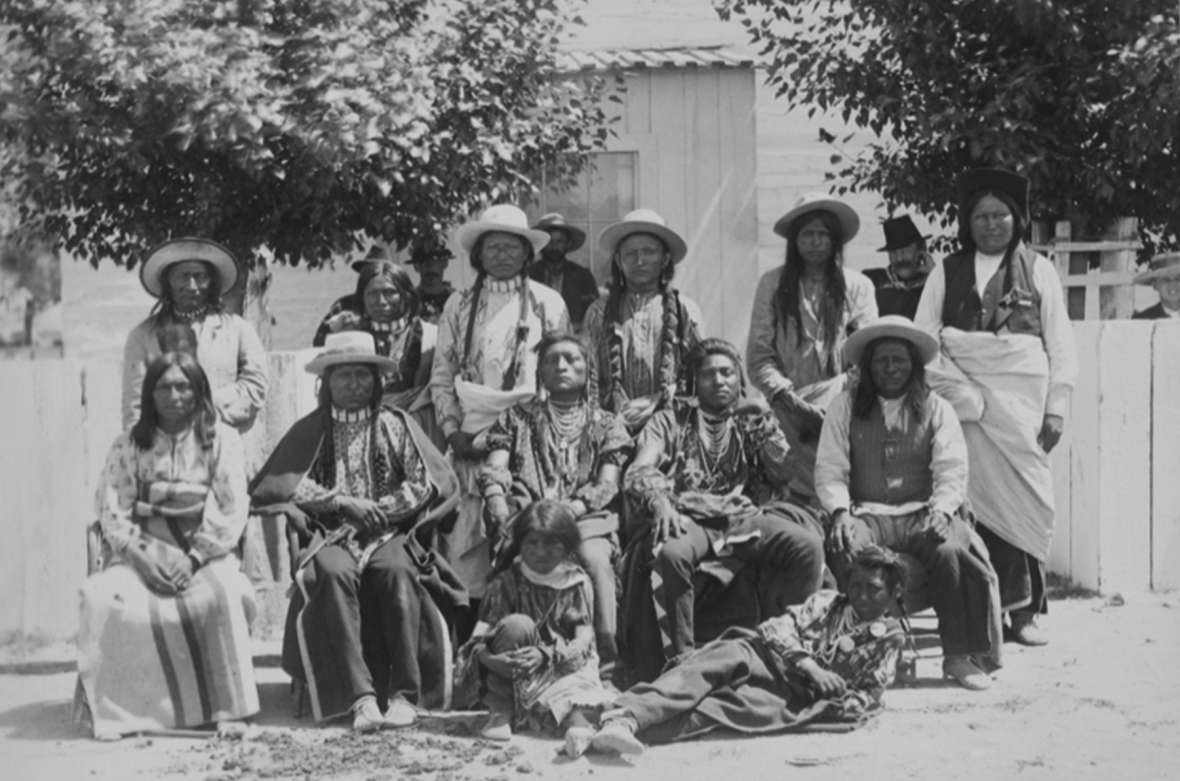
1164,276
891,470
367,486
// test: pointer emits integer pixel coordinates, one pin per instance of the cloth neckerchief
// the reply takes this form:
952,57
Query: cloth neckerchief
893,410
894,283
354,416
563,576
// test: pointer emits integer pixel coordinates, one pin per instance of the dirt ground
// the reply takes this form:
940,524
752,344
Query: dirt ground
1099,702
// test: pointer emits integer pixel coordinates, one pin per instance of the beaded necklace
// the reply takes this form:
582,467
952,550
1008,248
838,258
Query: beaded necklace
714,436
566,420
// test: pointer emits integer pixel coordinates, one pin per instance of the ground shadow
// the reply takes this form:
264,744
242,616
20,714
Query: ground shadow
50,720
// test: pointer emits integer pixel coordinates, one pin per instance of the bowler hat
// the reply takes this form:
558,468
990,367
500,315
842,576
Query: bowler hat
900,232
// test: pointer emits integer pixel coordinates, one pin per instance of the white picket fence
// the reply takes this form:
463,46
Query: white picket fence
1116,470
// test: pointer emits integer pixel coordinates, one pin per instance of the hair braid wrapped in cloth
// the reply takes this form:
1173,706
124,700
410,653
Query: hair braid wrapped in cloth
667,359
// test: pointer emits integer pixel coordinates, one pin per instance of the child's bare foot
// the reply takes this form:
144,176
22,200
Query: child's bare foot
577,741
617,736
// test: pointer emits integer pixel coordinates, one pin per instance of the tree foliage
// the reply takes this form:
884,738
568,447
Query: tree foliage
1083,96
304,126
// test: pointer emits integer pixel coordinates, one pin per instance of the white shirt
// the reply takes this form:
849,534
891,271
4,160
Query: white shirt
948,460
1057,335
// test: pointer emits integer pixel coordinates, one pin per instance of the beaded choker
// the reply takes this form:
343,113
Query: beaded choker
568,421
190,317
351,416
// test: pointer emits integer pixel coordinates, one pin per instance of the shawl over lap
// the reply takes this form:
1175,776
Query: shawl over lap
998,384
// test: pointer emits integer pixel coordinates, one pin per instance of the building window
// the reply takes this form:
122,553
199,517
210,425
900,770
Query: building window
605,190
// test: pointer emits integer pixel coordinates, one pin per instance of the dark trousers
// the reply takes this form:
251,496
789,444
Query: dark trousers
361,631
1022,577
792,550
956,585
665,709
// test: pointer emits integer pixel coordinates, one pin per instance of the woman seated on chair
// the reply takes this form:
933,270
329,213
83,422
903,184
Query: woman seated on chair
364,630
164,635
561,446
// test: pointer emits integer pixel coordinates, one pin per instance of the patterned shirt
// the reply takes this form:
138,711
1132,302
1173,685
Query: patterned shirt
180,459
827,629
382,465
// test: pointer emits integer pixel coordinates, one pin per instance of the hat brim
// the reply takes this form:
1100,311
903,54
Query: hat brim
611,235
915,240
1147,277
321,362
154,269
470,232
856,344
577,235
849,221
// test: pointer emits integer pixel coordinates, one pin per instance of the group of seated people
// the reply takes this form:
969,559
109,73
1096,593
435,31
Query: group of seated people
594,528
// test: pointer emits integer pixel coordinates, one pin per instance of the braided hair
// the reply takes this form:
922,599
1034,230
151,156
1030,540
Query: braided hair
551,338
509,380
323,470
668,377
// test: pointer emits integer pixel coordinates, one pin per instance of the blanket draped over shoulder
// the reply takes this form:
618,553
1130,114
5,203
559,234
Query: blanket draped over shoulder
997,384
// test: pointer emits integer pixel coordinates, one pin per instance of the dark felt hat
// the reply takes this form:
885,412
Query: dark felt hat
900,232
997,180
556,222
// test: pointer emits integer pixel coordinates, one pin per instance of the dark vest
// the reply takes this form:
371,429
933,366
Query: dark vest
1010,299
894,299
890,467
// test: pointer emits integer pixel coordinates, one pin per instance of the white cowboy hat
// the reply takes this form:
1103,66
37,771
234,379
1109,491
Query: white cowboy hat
809,202
349,347
1163,266
501,218
890,327
153,270
638,221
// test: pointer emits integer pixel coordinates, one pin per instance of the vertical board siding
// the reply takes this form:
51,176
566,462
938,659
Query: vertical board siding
1165,455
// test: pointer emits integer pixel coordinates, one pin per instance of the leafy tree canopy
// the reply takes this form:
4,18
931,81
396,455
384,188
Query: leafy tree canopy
1083,96
303,126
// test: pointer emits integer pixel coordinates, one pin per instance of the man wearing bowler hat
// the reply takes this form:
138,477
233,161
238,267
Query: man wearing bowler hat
899,285
575,283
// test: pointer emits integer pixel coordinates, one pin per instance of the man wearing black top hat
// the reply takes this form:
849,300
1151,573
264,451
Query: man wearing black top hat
899,286
575,283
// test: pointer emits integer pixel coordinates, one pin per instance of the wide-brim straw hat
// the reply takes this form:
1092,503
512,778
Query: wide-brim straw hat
1166,265
890,327
153,271
810,202
638,221
555,221
349,347
501,218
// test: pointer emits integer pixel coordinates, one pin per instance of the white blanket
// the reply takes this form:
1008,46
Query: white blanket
997,384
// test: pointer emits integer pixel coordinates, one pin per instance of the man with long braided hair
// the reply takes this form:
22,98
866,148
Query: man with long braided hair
365,488
706,486
642,329
562,446
484,362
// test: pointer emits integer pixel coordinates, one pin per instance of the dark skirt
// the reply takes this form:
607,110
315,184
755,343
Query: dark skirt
1022,576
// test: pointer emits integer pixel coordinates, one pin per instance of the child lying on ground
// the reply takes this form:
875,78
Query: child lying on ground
531,658
828,659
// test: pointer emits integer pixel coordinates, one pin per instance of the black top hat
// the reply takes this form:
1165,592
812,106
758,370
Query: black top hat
900,232
1000,180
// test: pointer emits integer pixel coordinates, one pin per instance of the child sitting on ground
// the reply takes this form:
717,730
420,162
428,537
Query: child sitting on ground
828,660
531,658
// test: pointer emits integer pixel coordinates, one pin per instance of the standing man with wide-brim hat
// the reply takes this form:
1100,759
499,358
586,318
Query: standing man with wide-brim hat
188,278
642,328
999,310
363,487
575,283
484,362
1164,275
899,285
803,311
